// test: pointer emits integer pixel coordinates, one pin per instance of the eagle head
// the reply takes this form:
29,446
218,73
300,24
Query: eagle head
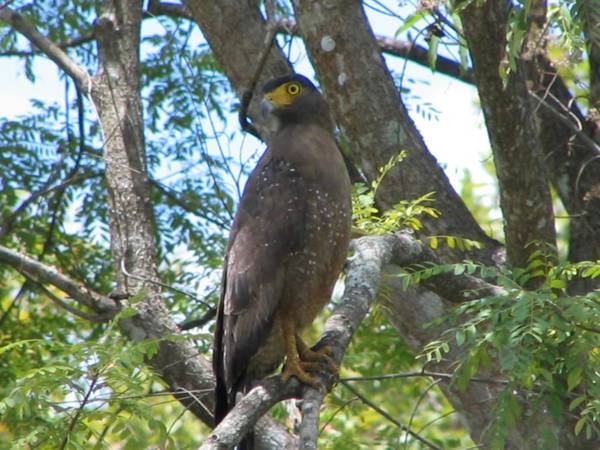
295,99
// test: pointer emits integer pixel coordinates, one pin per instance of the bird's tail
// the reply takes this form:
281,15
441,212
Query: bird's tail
222,406
224,402
248,442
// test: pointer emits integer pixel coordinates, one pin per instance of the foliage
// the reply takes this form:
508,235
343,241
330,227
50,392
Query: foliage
545,340
53,207
85,394
404,214
62,377
376,351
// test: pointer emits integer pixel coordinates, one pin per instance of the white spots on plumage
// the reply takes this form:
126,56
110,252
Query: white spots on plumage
327,44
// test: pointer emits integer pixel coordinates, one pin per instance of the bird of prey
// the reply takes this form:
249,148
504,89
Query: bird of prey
287,245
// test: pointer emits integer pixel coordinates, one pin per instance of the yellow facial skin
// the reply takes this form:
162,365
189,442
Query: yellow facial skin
284,95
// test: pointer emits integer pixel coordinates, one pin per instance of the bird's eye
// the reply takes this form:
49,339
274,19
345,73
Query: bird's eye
293,89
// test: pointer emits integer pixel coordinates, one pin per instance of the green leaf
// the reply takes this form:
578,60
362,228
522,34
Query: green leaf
433,242
459,269
460,337
579,425
574,378
576,402
558,284
432,51
411,20
17,344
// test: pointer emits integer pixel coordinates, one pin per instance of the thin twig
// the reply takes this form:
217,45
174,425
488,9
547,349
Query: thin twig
336,412
422,373
249,92
133,397
431,422
6,3
44,189
564,120
385,414
78,414
197,323
163,285
414,410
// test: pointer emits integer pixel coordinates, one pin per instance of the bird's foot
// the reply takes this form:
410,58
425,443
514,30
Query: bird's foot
298,369
321,356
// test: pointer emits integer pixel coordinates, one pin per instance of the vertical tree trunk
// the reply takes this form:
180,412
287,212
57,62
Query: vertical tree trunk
116,95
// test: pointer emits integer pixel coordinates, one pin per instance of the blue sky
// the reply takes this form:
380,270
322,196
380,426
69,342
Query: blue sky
456,136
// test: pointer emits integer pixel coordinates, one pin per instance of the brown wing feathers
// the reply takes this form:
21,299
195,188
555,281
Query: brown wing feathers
263,234
287,243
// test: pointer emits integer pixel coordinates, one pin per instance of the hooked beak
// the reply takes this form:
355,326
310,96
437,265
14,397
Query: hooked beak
266,107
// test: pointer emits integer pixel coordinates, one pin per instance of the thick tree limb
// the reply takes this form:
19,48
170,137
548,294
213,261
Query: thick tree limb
524,192
41,273
570,152
365,270
361,286
591,16
221,19
116,95
367,106
308,431
49,48
397,47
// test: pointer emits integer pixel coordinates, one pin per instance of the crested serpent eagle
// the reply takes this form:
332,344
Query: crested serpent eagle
286,247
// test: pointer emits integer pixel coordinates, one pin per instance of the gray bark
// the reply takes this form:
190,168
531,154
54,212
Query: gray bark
372,117
370,112
524,192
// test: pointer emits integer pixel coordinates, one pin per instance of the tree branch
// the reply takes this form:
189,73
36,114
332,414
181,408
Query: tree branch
376,408
370,112
158,8
361,286
524,191
42,273
103,317
196,323
397,47
422,373
49,48
364,274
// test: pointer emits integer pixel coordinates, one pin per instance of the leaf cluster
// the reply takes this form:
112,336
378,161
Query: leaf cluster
544,339
85,395
369,220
